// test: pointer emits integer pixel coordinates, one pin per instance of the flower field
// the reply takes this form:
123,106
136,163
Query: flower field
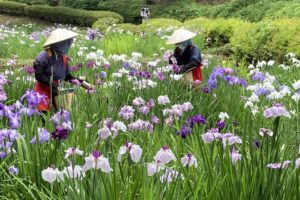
143,133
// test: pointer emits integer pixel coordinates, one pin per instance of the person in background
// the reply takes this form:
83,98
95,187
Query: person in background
145,14
186,55
51,67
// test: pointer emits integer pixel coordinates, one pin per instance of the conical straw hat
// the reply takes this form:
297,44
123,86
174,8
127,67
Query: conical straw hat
180,35
59,35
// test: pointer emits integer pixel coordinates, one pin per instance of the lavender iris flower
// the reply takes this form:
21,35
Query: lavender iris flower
43,135
285,164
276,111
2,155
258,76
13,170
14,121
127,112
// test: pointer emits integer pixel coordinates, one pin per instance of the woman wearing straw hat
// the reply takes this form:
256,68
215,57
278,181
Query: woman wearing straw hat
186,55
51,66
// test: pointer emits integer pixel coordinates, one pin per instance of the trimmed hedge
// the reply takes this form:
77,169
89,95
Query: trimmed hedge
58,14
12,8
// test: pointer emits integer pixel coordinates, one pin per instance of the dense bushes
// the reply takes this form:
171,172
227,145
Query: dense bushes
253,11
181,10
30,2
12,8
267,39
247,41
82,4
103,23
58,14
129,9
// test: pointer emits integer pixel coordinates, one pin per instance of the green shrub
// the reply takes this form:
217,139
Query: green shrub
68,15
181,11
103,23
217,33
31,2
81,4
286,10
52,2
260,10
129,9
12,8
266,40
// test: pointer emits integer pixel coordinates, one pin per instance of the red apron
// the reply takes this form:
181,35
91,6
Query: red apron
45,90
197,73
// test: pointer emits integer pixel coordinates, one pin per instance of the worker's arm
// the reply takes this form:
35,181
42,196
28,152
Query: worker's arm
195,61
40,66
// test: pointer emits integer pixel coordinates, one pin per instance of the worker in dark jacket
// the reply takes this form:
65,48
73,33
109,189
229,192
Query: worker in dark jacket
186,55
51,66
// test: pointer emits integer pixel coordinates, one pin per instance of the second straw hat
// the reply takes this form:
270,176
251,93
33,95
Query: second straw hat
59,35
180,35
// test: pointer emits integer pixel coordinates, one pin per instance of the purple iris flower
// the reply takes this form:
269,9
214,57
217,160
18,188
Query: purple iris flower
144,109
256,143
160,76
218,71
126,65
175,68
151,103
141,125
133,72
185,131
205,90
90,64
258,76
212,83
102,74
3,96
74,68
242,82
60,133
285,164
276,111
220,124
96,154
155,119
126,112
13,170
2,155
92,34
28,111
28,69
33,98
61,116
145,74
196,119
14,121
43,135
13,135
262,91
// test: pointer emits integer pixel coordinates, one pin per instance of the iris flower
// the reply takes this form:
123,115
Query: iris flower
134,150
